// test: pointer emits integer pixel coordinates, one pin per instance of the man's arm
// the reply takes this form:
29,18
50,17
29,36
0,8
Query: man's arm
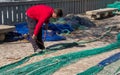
38,26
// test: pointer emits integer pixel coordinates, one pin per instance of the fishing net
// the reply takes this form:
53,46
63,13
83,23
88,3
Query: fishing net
115,59
110,69
116,4
49,65
118,71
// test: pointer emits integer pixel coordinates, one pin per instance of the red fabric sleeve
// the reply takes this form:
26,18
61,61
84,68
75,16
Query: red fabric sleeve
38,26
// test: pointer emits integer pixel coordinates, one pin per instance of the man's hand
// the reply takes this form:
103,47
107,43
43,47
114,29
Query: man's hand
34,37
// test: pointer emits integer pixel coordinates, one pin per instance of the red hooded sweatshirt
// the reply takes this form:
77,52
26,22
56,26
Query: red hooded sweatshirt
41,13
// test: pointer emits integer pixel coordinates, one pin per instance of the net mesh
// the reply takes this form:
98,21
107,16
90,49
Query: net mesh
49,65
110,70
48,50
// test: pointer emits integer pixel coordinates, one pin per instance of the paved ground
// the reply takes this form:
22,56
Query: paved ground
14,51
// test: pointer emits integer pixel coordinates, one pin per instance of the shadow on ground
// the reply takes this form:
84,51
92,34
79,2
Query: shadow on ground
61,46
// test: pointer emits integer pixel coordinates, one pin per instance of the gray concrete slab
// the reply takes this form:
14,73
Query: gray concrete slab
6,28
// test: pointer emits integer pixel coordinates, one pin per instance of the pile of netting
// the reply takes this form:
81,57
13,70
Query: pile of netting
49,65
64,25
109,66
116,4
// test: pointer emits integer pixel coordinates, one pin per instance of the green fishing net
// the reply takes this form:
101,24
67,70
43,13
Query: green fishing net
49,65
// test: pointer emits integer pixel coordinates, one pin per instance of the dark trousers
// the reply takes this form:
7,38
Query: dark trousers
36,43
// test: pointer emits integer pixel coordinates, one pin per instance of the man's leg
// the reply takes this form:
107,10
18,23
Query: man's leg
40,43
31,26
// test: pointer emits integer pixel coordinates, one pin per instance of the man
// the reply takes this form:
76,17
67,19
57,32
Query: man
36,16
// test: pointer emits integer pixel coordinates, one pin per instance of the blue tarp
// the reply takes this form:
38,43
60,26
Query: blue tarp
52,36
22,29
